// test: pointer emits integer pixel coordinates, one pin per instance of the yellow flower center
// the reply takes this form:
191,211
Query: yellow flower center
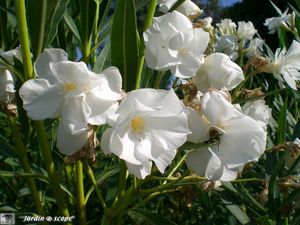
70,87
182,51
137,124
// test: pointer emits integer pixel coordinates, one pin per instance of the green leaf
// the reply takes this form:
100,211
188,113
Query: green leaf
87,17
72,26
11,174
150,217
124,42
274,192
55,12
236,211
36,11
264,220
282,123
103,60
283,40
3,25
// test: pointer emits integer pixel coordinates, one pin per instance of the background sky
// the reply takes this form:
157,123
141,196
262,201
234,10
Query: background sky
229,2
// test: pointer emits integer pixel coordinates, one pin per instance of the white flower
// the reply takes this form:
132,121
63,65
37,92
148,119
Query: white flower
7,86
150,126
240,139
69,90
258,111
228,44
165,5
227,26
275,22
218,71
245,30
7,78
255,47
287,64
187,8
172,43
206,23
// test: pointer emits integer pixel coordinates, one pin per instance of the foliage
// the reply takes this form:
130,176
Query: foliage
105,33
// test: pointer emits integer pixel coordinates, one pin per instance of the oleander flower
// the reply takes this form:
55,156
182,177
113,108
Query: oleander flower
165,5
187,8
286,64
69,90
206,23
255,48
259,111
172,43
226,75
245,30
150,125
274,23
228,44
226,26
7,78
7,86
239,138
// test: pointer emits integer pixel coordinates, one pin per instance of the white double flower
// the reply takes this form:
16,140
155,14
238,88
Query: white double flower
149,126
240,139
172,43
286,64
69,90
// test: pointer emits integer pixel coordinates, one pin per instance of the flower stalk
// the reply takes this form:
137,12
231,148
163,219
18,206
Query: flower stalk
22,151
24,39
50,167
80,193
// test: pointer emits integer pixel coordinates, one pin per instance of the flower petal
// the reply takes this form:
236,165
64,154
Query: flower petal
67,72
42,64
122,144
217,109
75,115
105,141
100,109
197,125
140,171
69,144
188,67
241,144
170,138
41,100
205,162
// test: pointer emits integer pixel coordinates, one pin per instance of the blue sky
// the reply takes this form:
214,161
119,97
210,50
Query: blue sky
229,2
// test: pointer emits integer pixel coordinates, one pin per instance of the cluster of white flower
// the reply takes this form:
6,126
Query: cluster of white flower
149,125
7,78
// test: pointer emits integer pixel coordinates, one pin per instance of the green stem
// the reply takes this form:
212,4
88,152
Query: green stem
50,167
80,194
176,167
87,37
122,179
24,39
94,182
22,154
148,21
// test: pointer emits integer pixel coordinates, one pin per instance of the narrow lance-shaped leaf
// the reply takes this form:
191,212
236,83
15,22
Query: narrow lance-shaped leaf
37,11
124,42
55,12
